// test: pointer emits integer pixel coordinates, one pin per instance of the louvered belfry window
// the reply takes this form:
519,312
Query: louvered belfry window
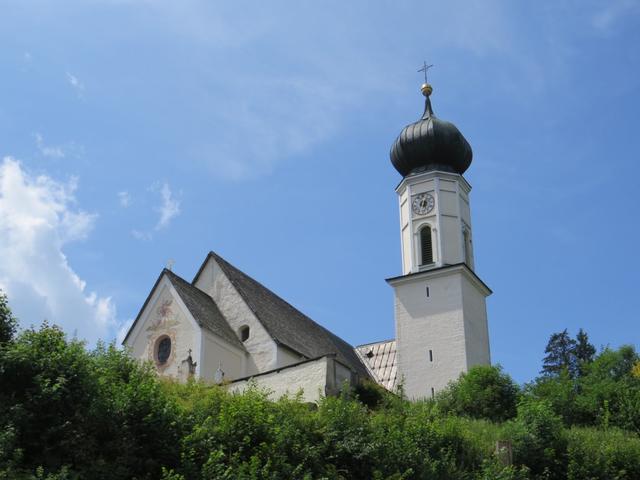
426,248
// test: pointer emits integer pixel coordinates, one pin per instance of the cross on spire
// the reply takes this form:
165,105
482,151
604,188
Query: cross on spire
424,69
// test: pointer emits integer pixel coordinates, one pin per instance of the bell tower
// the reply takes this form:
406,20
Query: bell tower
440,307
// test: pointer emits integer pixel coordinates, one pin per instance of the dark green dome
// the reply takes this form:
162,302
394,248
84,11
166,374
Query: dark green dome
430,144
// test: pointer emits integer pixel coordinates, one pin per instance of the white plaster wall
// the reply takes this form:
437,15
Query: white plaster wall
421,186
451,231
451,207
448,202
429,323
406,250
218,353
341,374
465,209
261,347
287,357
475,324
165,314
310,377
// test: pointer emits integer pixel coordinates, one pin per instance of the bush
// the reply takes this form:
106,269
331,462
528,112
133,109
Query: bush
482,392
100,413
603,455
538,439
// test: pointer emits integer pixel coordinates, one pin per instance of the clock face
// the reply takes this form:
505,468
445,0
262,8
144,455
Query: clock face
423,204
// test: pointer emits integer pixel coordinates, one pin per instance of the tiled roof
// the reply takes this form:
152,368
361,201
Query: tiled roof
287,325
380,360
204,309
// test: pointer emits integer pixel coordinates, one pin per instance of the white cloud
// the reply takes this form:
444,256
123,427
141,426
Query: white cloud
48,150
38,216
169,209
124,198
77,85
141,235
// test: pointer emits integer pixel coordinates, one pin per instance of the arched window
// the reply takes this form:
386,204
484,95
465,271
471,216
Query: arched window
426,247
163,350
244,333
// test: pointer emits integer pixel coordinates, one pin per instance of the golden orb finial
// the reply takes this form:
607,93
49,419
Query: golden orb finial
426,89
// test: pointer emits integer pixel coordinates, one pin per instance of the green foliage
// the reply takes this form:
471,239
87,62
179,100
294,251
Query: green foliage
560,355
493,470
98,412
606,393
584,352
538,439
67,413
597,455
482,392
8,323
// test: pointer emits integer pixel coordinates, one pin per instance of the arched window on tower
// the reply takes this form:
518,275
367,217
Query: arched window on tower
426,246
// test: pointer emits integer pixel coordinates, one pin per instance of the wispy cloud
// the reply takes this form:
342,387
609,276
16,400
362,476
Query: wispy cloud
38,217
76,84
169,208
142,235
124,199
48,150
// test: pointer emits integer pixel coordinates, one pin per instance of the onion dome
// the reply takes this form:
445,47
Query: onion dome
430,144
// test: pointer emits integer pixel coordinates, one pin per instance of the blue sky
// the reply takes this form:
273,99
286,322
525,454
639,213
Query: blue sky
134,132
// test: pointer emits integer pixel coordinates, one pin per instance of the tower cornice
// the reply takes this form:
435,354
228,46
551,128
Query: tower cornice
446,270
420,177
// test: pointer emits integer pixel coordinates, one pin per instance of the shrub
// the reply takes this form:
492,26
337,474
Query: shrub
538,440
482,392
100,413
603,455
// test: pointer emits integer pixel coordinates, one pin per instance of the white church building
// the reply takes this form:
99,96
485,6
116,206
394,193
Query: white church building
226,327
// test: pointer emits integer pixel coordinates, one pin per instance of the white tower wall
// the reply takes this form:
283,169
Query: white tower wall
440,308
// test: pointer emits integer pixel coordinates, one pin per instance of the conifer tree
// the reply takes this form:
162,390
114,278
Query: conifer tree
560,355
584,352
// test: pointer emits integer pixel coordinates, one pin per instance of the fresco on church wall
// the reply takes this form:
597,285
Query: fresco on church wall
169,338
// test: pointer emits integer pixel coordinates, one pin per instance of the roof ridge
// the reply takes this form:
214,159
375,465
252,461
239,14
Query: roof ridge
272,310
223,329
375,343
218,257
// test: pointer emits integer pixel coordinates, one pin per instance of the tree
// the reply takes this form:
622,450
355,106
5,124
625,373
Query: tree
482,392
560,355
8,323
584,352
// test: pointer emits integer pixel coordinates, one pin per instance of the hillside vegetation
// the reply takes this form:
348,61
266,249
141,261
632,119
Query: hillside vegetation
71,413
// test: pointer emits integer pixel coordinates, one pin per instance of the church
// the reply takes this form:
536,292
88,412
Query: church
227,328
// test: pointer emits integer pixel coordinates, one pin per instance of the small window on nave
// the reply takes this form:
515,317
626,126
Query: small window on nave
426,247
244,333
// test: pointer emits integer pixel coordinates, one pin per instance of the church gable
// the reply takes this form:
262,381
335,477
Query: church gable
263,350
165,332
284,324
181,330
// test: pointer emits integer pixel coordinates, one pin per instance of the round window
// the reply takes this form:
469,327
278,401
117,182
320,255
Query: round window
164,350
